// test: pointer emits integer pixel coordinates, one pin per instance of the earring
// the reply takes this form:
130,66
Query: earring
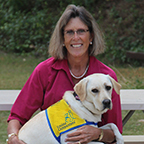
63,45
90,43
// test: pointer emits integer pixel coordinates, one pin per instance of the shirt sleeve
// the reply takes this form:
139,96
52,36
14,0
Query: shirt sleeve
30,98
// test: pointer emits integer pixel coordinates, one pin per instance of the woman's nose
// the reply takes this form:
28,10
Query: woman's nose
75,36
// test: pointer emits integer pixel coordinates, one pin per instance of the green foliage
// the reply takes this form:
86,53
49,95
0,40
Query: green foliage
26,26
125,33
20,32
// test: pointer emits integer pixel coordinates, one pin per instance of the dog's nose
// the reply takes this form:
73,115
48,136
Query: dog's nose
106,103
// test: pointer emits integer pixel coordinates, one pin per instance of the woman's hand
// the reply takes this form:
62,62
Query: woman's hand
13,128
14,140
83,135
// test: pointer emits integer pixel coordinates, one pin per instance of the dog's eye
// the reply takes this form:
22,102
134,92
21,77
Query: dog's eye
108,87
95,90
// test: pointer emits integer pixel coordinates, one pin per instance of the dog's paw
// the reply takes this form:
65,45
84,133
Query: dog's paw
120,141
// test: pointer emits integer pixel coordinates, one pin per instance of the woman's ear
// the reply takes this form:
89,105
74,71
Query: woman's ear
91,37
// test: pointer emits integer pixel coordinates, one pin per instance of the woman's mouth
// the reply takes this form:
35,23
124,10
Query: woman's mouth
76,46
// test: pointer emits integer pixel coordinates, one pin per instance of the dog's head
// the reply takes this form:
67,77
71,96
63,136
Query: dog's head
95,92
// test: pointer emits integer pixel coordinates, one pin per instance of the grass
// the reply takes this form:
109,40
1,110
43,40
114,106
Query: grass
15,70
135,125
130,77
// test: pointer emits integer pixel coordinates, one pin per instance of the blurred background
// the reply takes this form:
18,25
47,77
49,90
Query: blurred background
26,26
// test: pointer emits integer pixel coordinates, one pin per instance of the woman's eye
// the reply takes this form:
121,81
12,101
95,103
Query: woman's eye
80,31
95,90
108,87
71,32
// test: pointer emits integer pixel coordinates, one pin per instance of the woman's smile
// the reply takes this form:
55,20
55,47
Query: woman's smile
76,45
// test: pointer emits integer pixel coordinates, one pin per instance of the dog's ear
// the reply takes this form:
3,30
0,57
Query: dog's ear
116,85
80,89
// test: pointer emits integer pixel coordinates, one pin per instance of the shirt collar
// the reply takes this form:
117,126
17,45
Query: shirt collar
60,64
63,64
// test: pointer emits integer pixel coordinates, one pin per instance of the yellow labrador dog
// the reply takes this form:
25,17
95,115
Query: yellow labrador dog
52,125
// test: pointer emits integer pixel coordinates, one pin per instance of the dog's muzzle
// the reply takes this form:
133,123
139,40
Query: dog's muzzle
107,103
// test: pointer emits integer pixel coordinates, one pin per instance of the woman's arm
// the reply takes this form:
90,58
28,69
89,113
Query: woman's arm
13,128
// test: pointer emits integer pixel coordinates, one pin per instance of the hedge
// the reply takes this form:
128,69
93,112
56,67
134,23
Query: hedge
26,26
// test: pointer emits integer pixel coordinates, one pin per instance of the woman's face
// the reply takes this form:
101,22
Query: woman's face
77,38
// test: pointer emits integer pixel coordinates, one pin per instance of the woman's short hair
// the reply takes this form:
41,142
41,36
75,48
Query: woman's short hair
56,48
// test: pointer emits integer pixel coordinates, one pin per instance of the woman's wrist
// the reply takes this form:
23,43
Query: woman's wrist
100,135
10,137
106,135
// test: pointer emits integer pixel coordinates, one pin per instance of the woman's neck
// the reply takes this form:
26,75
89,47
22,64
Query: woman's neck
78,67
78,63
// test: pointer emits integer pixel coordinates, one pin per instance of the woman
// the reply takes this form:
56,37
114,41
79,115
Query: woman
73,45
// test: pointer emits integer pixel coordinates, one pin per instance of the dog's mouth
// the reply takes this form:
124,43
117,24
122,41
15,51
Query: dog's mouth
106,105
95,109
95,112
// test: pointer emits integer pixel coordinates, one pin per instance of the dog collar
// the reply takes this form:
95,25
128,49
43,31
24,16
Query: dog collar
76,96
